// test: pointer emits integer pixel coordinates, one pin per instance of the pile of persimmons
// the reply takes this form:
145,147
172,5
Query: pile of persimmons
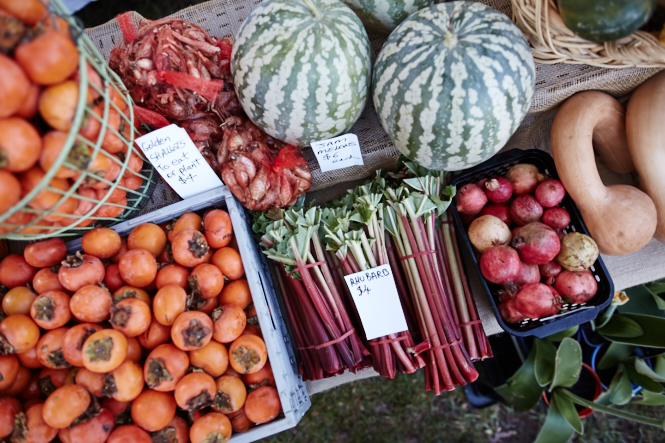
152,337
39,91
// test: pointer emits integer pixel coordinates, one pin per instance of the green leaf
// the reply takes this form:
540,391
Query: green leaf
568,364
654,290
544,365
651,398
603,318
641,302
522,391
563,334
643,380
621,326
644,369
568,411
623,390
659,365
555,429
614,354
652,327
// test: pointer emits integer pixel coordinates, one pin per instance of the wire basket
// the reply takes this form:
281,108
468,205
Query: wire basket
552,42
112,109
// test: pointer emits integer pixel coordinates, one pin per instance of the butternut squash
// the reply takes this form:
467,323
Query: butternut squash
620,218
645,126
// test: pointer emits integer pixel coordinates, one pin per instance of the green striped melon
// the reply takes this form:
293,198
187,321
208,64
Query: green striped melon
382,16
302,68
452,84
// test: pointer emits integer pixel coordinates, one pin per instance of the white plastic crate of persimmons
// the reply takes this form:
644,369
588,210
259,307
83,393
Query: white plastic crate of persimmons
169,319
67,129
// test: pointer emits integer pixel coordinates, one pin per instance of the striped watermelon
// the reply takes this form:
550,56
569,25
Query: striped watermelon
452,84
382,16
302,68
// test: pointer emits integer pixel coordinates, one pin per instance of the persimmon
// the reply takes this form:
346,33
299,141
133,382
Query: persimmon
239,421
70,379
125,382
51,379
111,210
205,305
231,394
95,83
95,430
30,12
229,322
80,270
29,358
263,405
72,345
10,194
33,426
91,304
57,104
104,350
263,377
53,142
132,181
247,354
92,381
188,220
147,236
46,253
18,300
134,349
131,292
229,262
191,330
32,392
18,333
14,87
189,248
112,279
49,58
115,407
177,431
156,335
113,140
218,228
116,195
9,407
172,274
210,427
8,370
21,382
48,198
232,372
169,303
20,144
65,405
195,391
206,280
50,310
138,267
49,349
212,358
129,434
152,410
91,122
101,242
85,200
164,367
236,293
15,271
28,108
130,316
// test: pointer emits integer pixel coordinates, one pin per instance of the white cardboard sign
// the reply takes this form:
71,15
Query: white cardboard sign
178,161
376,298
338,153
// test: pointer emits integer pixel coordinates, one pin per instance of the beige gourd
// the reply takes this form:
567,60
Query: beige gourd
620,218
645,126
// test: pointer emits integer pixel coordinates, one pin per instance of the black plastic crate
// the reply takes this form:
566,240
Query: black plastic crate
572,314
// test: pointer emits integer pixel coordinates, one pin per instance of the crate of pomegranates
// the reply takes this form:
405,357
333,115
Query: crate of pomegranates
169,318
540,269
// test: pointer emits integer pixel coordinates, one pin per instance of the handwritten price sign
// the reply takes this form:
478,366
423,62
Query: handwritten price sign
375,295
337,153
178,161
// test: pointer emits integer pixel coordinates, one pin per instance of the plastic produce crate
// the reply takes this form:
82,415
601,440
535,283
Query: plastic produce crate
572,314
292,392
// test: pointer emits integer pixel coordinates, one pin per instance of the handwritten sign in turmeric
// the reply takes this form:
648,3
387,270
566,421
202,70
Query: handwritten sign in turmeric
174,155
337,153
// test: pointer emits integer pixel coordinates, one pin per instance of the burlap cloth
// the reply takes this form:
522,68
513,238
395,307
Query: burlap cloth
554,83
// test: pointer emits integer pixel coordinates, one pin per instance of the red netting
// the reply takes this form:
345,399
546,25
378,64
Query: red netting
150,118
288,158
127,26
206,88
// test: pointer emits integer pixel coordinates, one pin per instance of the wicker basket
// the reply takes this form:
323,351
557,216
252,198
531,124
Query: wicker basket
12,223
553,42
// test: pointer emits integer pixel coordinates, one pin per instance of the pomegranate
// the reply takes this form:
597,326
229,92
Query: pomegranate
535,300
500,211
524,178
550,269
470,199
556,218
536,243
467,218
500,264
528,274
509,312
578,287
481,183
525,209
498,189
578,252
488,231
550,193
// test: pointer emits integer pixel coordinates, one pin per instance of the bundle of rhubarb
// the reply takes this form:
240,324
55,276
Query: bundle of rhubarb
398,220
176,73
